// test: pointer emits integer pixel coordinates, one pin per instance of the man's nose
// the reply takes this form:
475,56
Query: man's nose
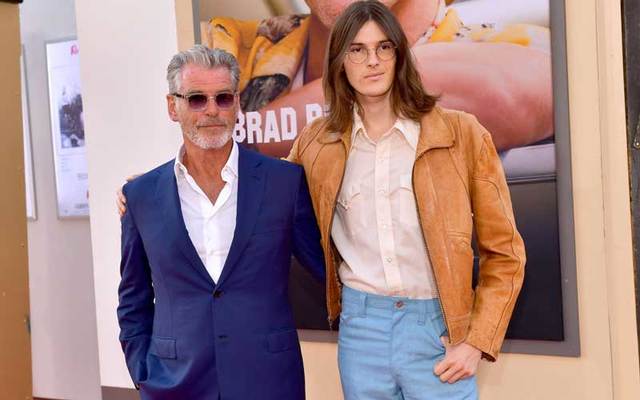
372,57
212,107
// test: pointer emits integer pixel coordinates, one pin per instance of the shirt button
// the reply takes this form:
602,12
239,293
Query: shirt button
382,191
399,304
389,259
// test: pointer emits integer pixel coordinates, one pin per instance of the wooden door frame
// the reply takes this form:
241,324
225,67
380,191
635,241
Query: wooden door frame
15,351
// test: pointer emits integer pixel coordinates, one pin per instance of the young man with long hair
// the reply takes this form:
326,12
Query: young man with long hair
399,185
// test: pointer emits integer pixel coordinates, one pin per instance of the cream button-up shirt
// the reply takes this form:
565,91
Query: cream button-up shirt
376,227
210,226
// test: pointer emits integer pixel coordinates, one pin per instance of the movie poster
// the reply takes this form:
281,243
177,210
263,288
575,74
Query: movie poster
491,58
67,128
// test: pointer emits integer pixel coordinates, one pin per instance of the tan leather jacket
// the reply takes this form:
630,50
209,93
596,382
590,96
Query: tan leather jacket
459,188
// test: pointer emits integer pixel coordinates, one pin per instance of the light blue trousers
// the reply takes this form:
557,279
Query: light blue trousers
388,346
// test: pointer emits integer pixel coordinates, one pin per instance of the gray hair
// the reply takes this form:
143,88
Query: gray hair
204,57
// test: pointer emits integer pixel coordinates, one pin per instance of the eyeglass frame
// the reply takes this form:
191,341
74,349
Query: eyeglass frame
393,45
212,97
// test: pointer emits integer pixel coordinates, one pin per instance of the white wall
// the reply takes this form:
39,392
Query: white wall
63,341
125,47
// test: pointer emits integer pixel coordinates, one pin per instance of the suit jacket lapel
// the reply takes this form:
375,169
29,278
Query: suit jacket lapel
251,182
169,202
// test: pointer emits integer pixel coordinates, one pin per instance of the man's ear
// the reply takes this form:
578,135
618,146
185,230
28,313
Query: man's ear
171,108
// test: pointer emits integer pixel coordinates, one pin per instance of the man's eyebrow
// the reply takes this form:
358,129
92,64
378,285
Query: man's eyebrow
197,91
362,44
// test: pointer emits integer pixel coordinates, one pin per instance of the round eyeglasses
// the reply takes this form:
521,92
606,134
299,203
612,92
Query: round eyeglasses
199,101
359,53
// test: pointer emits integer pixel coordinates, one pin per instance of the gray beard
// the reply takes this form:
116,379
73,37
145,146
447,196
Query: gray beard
208,143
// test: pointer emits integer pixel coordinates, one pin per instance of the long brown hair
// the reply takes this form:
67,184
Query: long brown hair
408,97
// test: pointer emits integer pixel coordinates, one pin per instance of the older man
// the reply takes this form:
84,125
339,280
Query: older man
206,246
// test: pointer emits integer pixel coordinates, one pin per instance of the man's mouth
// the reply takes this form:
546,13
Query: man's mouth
212,126
374,76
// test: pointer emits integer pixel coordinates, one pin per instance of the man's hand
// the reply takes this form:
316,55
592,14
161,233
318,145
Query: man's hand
460,362
121,201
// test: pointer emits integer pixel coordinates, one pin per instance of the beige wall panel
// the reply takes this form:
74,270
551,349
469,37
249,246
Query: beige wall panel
617,222
126,46
184,24
321,368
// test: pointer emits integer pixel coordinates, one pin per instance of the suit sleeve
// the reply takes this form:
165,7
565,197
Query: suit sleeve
306,236
136,298
502,251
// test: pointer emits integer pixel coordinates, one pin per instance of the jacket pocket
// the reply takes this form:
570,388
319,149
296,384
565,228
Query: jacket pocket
163,347
461,258
461,251
282,341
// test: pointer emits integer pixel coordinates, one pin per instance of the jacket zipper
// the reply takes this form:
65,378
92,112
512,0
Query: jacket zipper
433,269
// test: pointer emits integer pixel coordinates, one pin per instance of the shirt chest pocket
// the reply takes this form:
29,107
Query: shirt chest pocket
350,209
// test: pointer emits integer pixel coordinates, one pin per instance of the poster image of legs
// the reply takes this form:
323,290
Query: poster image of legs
491,58
71,123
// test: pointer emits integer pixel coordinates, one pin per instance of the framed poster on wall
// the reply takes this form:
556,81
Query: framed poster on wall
67,128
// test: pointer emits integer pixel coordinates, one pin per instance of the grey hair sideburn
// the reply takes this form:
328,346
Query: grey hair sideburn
204,57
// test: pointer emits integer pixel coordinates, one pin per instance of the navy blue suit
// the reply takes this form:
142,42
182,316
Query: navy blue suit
187,337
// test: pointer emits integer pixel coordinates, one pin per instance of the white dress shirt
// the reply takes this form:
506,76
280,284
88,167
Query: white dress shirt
210,226
376,227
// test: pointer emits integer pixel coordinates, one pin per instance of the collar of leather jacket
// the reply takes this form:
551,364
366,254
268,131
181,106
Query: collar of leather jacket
435,132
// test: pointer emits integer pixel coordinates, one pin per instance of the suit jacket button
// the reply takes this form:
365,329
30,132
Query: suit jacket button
217,294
